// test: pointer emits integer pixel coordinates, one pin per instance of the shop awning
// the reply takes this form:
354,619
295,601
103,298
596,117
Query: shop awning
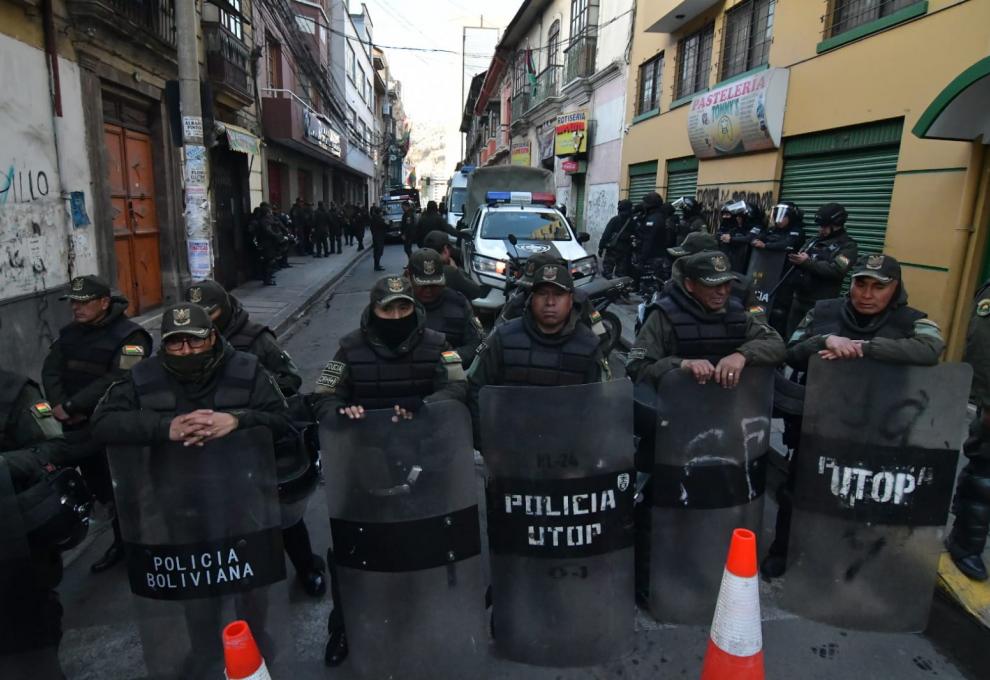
961,111
240,139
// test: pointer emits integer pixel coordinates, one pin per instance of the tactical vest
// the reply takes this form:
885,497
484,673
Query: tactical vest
89,351
234,386
449,318
11,386
830,320
243,338
527,361
381,382
704,336
809,286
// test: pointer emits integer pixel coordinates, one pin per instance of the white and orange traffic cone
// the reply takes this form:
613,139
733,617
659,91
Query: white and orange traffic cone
241,655
735,645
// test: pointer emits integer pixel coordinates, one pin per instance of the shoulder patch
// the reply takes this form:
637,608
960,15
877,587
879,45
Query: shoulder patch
42,409
983,307
842,261
331,374
756,309
482,346
595,316
637,353
451,357
133,351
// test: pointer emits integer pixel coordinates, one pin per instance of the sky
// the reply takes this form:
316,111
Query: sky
431,82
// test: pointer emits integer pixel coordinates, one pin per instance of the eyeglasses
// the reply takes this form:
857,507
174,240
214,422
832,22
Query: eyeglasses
175,343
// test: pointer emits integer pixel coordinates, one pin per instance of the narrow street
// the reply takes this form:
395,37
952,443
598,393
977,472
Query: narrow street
102,642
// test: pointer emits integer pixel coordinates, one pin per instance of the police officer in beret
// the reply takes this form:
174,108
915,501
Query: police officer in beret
393,361
701,328
447,311
233,322
820,269
547,346
100,346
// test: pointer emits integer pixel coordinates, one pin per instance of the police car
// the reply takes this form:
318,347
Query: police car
537,226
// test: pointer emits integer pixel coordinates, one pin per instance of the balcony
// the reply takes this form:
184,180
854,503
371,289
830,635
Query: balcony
294,124
520,104
580,58
140,21
547,85
228,65
669,16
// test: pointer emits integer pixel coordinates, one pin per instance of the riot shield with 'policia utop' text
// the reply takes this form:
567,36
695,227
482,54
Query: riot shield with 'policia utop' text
875,472
202,532
709,476
403,503
560,521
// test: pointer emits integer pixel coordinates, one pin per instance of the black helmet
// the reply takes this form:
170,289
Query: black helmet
737,208
787,209
652,200
688,206
56,509
831,214
625,206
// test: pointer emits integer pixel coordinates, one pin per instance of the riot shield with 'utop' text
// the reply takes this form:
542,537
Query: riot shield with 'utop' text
875,472
560,520
202,531
765,269
403,502
709,476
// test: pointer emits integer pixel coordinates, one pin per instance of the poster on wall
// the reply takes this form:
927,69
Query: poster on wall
571,133
521,154
742,116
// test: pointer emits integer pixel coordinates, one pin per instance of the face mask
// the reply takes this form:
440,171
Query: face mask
394,331
191,367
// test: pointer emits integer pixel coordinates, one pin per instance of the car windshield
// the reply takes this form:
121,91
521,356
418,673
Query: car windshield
536,226
393,209
458,197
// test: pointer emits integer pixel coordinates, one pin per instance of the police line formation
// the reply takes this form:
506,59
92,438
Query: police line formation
598,491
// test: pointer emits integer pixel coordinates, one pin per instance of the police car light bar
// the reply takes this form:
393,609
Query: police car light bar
519,197
545,199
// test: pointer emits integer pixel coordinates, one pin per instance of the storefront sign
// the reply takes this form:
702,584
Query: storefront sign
742,116
545,137
571,133
521,154
242,140
318,132
569,166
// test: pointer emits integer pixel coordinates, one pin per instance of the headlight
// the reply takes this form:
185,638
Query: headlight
586,266
489,266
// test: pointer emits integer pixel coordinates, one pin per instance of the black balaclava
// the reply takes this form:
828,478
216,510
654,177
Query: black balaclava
393,332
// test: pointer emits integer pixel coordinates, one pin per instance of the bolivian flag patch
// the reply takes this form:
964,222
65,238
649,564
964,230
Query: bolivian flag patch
133,351
451,357
42,409
983,307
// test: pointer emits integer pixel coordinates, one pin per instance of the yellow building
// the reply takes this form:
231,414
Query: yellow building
822,100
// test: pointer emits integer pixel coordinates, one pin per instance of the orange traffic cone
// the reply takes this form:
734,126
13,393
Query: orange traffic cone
241,655
735,645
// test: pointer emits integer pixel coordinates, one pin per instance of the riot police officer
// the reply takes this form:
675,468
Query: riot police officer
456,278
548,346
98,347
972,502
615,246
447,311
784,233
873,321
703,329
233,322
30,613
393,361
653,238
820,269
692,217
738,220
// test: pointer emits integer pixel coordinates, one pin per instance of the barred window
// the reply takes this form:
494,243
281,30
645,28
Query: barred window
845,15
553,54
232,20
650,74
748,34
694,61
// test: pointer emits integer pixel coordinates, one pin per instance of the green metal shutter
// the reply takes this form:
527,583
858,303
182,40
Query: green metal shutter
642,180
861,179
681,184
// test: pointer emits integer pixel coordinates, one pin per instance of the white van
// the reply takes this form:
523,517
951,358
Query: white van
457,194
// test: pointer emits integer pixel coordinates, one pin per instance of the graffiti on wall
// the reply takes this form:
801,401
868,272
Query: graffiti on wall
712,198
602,200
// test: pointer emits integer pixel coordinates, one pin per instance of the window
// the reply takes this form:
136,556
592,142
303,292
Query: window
748,33
364,82
351,63
694,61
232,20
553,56
845,15
494,121
519,73
650,75
274,63
582,20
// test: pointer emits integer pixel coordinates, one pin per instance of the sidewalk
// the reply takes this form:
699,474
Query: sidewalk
298,287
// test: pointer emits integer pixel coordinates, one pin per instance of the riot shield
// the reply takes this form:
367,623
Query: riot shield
765,270
709,476
403,502
560,521
874,478
203,538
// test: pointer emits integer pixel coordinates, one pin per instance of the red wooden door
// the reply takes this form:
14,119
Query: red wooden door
135,219
275,183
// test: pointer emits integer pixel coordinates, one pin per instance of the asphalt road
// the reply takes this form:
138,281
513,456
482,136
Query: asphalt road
102,643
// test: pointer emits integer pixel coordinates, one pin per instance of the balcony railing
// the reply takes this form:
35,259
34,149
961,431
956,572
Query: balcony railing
227,60
155,16
547,85
581,58
521,103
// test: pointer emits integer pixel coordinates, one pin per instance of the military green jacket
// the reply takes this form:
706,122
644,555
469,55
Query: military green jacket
654,351
462,283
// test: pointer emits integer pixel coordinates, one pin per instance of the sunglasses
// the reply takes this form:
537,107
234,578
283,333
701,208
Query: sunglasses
193,343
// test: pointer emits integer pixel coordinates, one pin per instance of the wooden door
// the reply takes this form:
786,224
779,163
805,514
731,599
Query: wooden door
275,183
135,219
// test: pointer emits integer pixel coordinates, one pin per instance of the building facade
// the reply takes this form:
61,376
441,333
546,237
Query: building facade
554,97
813,102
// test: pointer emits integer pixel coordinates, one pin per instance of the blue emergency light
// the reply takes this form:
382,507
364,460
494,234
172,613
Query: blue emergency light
467,169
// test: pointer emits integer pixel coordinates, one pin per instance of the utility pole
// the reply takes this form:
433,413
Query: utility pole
199,225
